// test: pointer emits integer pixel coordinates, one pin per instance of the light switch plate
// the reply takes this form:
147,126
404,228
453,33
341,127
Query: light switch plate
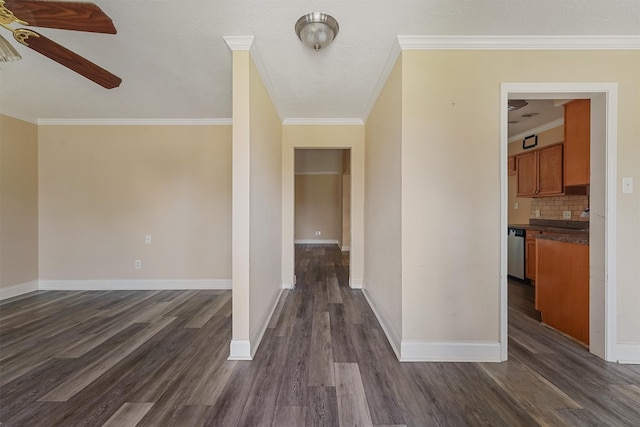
537,213
627,185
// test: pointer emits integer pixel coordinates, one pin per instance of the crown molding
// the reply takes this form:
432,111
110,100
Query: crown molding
537,129
560,42
266,79
323,121
392,58
238,42
134,122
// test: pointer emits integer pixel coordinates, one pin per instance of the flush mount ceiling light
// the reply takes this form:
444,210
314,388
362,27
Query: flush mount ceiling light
7,52
516,104
317,30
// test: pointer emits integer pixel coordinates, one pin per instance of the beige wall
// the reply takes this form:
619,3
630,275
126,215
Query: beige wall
323,136
318,204
103,188
522,214
18,202
265,206
451,233
383,206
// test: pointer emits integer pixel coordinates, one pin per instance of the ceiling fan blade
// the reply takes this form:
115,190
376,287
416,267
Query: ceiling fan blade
71,60
62,15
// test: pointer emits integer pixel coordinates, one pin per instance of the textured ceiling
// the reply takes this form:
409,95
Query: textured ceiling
175,64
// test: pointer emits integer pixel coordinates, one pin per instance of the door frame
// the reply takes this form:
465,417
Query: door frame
602,300
320,137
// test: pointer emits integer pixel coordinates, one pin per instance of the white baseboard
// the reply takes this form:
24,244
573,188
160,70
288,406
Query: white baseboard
346,248
316,242
240,350
262,325
628,353
288,286
134,284
454,351
20,289
355,283
392,336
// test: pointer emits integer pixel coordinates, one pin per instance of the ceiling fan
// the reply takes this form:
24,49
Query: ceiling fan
62,15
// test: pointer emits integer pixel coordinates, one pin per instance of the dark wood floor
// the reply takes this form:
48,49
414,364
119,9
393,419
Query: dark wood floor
159,359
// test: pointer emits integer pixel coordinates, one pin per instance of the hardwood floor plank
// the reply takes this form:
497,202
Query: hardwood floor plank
322,407
378,385
293,389
208,311
353,409
333,286
128,415
261,400
341,342
289,416
88,374
539,397
321,356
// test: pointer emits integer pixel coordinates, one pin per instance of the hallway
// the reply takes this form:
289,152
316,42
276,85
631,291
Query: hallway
158,358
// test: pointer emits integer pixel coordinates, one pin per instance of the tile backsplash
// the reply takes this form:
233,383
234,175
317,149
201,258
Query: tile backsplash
552,207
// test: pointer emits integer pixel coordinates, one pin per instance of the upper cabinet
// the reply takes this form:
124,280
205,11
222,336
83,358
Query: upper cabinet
539,172
577,129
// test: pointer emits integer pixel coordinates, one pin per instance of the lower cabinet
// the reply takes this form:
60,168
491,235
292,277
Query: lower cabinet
562,286
530,254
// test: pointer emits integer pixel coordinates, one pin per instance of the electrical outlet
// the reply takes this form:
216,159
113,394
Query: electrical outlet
627,185
318,233
147,239
515,205
537,213
566,214
138,264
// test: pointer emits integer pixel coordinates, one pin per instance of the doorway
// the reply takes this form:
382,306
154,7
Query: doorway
322,194
602,283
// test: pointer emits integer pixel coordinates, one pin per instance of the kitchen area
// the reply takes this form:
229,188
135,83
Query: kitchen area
548,215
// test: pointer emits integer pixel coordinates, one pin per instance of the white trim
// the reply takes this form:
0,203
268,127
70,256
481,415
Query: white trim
257,338
338,121
239,350
19,289
556,42
238,42
316,242
288,285
454,351
134,122
628,353
567,91
29,119
266,78
345,248
134,284
354,283
537,129
393,336
318,173
392,58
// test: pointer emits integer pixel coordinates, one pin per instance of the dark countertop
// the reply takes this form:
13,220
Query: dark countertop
561,231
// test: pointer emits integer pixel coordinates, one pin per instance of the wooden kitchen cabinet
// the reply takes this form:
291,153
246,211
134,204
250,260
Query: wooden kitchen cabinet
577,144
539,172
562,286
511,165
530,254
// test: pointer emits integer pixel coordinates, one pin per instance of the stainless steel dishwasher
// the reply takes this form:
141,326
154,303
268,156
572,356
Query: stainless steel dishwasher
515,252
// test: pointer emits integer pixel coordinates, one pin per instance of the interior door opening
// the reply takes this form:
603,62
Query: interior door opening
600,199
322,200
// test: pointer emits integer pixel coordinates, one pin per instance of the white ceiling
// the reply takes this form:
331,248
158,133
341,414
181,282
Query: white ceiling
175,64
538,112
